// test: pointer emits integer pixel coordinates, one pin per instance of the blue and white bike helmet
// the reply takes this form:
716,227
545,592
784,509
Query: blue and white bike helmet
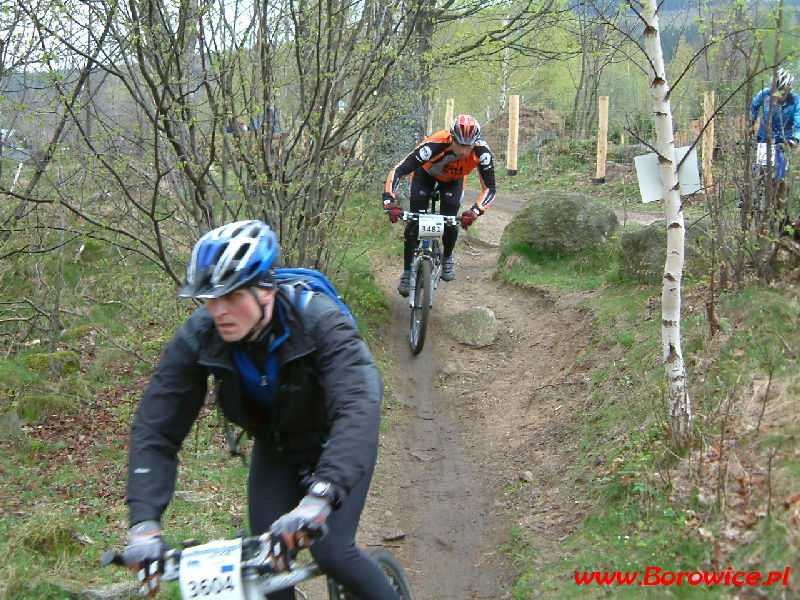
783,80
230,257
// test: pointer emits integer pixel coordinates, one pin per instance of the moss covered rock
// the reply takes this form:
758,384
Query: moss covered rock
62,362
36,407
560,223
643,252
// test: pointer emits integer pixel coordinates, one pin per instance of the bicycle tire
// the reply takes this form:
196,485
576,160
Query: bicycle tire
420,309
394,571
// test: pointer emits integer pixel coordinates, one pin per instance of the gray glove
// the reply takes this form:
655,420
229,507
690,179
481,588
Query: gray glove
144,554
298,529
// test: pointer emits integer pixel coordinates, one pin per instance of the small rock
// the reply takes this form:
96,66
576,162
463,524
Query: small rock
10,426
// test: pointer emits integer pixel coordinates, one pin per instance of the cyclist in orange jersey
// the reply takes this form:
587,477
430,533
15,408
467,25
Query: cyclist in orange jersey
444,159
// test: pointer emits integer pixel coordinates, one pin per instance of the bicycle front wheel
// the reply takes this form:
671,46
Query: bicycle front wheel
420,310
394,571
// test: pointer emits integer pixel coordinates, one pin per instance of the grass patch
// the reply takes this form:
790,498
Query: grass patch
526,267
655,508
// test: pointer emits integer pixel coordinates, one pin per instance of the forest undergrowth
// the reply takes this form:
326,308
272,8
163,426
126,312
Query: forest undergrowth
728,503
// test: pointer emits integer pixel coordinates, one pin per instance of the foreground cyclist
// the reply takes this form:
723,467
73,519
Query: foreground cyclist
303,384
445,158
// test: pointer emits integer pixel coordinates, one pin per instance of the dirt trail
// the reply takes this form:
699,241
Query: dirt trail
477,423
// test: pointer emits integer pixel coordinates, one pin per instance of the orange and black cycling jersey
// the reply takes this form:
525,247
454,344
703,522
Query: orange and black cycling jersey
435,155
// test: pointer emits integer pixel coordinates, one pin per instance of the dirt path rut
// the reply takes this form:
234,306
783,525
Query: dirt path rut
480,436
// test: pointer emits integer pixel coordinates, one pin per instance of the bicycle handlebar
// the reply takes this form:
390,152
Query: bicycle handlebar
254,553
413,216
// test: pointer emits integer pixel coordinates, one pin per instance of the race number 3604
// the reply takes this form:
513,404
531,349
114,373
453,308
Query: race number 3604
207,587
213,570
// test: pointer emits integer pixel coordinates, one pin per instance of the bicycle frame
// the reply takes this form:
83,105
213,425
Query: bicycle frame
429,249
426,272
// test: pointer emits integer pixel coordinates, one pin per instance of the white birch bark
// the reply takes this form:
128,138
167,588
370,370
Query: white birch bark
678,394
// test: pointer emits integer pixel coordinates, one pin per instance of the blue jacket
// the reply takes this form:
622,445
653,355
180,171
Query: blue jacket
785,116
327,396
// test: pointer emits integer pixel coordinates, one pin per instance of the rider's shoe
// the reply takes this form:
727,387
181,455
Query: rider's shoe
448,269
404,286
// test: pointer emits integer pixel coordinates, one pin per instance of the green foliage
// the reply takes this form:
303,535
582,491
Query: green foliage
44,539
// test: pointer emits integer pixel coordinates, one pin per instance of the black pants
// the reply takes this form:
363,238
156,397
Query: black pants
274,489
450,195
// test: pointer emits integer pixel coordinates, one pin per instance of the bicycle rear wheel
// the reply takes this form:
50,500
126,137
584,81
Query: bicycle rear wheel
394,571
420,310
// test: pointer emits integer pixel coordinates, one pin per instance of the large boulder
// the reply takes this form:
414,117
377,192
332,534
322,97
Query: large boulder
560,223
475,326
643,252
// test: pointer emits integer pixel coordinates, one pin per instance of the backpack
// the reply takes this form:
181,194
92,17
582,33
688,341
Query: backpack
304,282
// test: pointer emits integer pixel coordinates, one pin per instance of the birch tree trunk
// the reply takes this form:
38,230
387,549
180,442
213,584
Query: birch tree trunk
678,395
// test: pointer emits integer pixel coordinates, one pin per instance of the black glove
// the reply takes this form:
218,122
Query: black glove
391,208
468,217
297,530
144,554
792,142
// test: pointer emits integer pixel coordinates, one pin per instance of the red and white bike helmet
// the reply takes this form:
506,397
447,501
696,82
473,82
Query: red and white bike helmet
465,130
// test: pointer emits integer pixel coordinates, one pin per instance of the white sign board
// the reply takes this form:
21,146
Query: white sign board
649,176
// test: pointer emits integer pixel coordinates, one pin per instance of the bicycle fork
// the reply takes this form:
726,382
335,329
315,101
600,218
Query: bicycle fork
412,292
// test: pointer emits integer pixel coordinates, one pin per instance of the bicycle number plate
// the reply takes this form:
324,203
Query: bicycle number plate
213,571
761,153
431,226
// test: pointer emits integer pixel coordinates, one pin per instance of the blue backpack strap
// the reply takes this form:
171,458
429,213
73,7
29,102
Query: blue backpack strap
310,280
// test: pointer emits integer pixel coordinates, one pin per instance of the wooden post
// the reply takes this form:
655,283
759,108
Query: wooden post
708,140
622,139
513,134
448,115
602,139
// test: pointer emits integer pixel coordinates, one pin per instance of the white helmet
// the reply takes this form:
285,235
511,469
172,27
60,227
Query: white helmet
783,80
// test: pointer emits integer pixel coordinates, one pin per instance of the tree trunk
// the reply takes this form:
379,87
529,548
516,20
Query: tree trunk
678,395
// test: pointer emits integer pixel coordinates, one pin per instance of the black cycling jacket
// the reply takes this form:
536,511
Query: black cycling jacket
327,401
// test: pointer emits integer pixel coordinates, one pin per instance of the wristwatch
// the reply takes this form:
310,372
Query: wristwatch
323,489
